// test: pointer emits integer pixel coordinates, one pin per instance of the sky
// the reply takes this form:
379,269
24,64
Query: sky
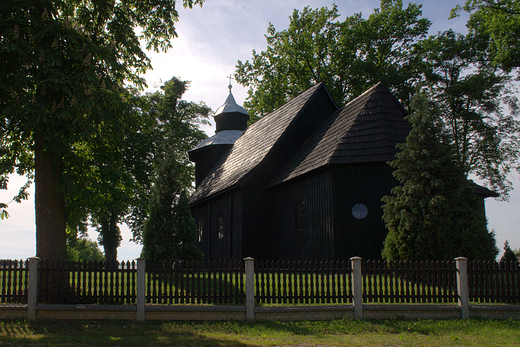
211,39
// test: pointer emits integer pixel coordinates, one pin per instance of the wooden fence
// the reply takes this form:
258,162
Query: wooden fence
492,282
278,283
303,282
13,281
66,282
216,282
400,282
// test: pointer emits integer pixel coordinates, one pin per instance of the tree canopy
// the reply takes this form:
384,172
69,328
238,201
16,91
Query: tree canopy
64,64
498,21
169,232
348,56
477,104
476,98
509,254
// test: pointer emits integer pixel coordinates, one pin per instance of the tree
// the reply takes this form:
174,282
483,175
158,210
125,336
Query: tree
348,56
508,255
477,105
81,248
169,232
174,130
498,21
114,173
63,67
433,214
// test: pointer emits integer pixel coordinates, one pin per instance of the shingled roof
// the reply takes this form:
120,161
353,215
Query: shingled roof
365,130
252,147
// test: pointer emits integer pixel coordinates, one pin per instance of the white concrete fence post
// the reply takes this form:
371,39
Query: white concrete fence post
462,286
32,299
141,289
250,288
357,288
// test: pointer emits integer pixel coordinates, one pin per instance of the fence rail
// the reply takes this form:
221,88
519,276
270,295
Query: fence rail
276,282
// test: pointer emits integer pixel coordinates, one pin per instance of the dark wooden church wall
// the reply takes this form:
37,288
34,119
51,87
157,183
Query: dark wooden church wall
367,184
200,213
313,241
228,206
257,226
256,239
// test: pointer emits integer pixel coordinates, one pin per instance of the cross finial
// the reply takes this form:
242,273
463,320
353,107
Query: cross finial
230,86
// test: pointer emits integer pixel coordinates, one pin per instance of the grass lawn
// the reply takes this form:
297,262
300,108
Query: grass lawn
391,332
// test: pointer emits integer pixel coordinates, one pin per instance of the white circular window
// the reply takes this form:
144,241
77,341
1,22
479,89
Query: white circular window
359,211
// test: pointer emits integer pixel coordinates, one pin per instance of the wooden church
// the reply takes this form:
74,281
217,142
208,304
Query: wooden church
303,183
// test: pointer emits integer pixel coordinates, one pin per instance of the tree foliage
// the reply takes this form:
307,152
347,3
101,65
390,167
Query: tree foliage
81,248
63,67
433,213
174,128
477,106
498,21
114,175
169,232
348,56
509,254
477,100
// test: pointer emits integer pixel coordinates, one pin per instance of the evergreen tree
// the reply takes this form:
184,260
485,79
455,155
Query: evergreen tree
434,213
170,232
508,255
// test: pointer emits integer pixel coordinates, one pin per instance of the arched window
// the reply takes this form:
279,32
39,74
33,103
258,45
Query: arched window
220,226
300,216
200,230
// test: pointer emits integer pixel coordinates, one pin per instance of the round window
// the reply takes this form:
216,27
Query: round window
359,211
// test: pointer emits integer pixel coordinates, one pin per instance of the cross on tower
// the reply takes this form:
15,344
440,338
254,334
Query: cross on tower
230,78
230,86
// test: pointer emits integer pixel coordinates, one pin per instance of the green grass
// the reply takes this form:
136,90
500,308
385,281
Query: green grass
391,332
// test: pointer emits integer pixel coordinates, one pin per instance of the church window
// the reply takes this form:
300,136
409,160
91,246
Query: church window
220,226
200,230
359,211
300,216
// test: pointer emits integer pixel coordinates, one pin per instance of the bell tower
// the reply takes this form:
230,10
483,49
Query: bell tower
231,122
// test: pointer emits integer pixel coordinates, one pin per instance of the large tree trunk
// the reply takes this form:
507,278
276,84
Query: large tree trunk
111,239
51,238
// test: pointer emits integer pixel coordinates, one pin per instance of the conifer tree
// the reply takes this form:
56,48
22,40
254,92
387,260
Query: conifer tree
508,255
170,232
434,213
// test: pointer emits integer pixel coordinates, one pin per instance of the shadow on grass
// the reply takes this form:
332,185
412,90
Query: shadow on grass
105,333
260,333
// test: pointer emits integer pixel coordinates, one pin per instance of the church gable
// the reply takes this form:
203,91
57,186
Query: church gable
365,130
